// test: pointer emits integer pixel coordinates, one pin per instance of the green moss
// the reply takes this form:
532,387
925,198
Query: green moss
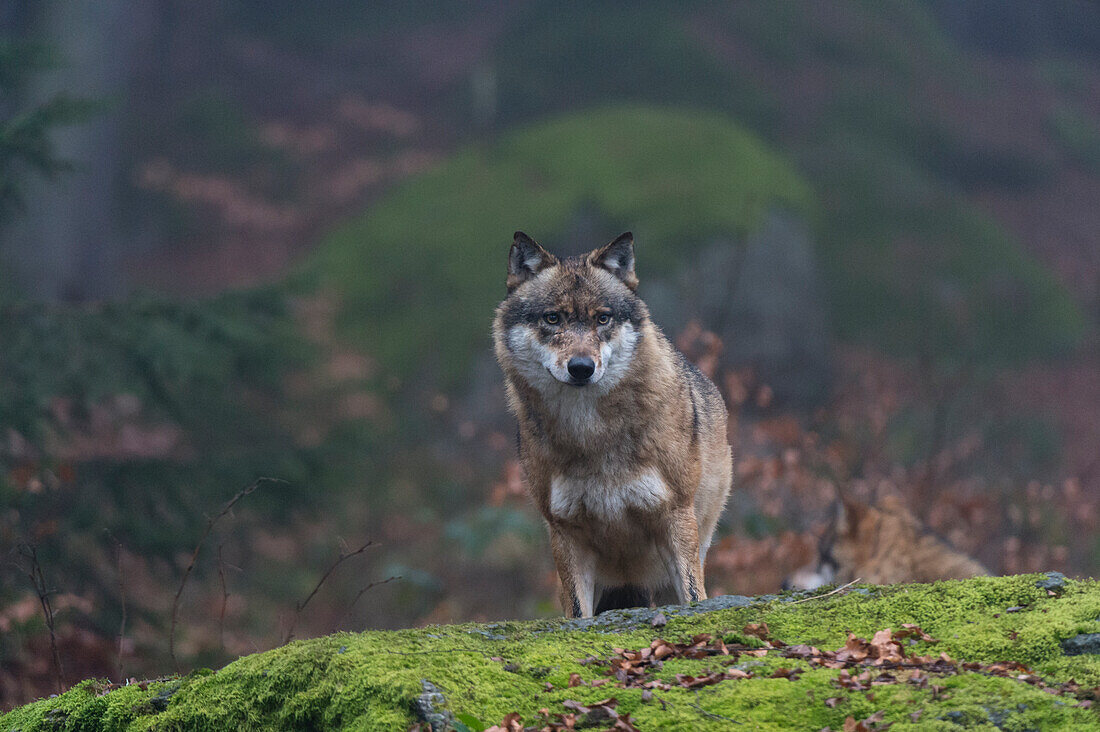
371,680
420,273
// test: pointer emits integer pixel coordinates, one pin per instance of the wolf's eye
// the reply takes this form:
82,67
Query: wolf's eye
603,318
552,318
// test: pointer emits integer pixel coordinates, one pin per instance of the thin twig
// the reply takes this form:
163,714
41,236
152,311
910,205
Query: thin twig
225,598
826,594
344,556
38,581
363,591
442,650
195,555
122,602
710,715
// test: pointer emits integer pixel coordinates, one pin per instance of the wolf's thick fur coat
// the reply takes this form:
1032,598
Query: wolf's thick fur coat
882,543
622,441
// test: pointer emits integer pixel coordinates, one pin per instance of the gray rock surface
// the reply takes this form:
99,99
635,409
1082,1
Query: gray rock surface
429,707
1081,644
614,621
1055,582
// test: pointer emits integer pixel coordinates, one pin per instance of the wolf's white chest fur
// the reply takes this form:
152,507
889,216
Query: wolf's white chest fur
576,411
595,495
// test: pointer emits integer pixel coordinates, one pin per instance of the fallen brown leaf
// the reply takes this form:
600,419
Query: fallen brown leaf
757,630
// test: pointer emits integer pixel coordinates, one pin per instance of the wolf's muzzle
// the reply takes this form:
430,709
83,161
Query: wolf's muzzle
581,368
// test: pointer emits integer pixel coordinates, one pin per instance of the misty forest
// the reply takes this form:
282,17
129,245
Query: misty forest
249,259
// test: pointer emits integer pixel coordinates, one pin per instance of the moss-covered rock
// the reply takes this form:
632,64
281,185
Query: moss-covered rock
471,676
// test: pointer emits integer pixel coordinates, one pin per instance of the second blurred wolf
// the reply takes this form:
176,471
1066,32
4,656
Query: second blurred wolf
881,543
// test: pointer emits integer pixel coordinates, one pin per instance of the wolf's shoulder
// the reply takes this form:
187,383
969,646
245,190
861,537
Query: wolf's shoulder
706,401
696,378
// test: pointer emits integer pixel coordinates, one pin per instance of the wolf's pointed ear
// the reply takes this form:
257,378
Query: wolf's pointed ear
526,259
618,259
838,519
850,513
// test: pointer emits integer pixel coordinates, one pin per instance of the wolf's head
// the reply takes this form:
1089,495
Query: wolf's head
858,536
825,568
570,323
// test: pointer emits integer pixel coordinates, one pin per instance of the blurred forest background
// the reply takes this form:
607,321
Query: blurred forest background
266,239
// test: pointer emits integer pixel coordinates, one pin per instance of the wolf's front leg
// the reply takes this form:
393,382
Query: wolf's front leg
577,570
684,540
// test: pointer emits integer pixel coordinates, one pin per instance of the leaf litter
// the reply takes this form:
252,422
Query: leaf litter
863,665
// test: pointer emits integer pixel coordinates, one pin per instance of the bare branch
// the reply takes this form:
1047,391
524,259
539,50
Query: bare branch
826,594
710,715
344,556
195,555
225,598
363,591
38,581
121,600
441,650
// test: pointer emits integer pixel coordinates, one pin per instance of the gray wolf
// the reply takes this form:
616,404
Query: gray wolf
881,543
622,441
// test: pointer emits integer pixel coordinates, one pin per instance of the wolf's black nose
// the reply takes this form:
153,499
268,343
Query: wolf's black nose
581,368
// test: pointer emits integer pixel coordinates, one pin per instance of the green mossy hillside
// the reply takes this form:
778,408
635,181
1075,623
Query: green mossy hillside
376,680
419,273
